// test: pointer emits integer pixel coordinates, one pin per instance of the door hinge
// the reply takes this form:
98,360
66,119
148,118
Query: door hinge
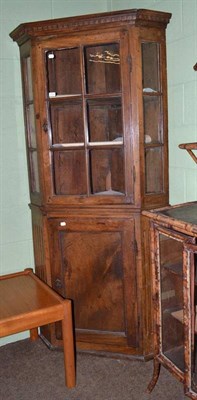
58,283
45,126
130,62
139,322
134,174
135,247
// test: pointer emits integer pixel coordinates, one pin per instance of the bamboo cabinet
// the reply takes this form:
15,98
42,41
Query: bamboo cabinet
95,106
174,269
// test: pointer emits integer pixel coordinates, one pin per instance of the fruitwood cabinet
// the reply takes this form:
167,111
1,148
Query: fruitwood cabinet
95,106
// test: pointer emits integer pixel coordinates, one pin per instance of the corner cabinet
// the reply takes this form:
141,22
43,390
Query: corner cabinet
95,106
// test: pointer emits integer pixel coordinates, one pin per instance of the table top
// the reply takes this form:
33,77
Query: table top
27,303
183,216
24,293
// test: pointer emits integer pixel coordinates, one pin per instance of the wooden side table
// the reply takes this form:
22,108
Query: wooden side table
27,303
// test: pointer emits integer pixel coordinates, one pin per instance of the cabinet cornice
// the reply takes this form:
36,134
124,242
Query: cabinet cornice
55,27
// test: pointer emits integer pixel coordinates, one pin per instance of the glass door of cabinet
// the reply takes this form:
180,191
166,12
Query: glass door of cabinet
30,124
190,298
153,117
170,278
85,106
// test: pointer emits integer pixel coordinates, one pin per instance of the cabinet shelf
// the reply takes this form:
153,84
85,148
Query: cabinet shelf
151,93
71,146
114,143
29,103
176,269
66,146
104,97
109,193
179,316
153,145
53,96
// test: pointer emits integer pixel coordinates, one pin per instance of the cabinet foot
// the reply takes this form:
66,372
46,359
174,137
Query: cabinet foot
156,372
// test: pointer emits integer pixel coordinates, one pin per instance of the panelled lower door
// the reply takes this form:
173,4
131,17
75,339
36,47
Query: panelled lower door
93,264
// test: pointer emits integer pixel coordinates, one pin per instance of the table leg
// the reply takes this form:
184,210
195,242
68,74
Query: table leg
68,342
33,334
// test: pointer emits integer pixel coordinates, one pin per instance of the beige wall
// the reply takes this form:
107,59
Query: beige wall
15,234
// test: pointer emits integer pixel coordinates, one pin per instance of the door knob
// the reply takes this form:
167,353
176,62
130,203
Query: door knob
58,283
62,223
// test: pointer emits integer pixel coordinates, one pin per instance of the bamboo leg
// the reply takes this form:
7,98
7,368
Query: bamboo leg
68,342
155,376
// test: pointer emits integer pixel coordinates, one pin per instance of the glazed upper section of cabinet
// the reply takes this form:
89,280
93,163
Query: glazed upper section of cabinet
95,102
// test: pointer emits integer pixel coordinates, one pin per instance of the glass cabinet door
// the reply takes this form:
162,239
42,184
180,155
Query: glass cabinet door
32,151
171,297
170,278
153,118
86,120
190,288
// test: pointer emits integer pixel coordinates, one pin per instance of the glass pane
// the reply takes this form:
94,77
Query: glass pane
154,170
69,172
34,176
64,72
171,261
29,88
102,68
152,119
193,349
186,211
31,127
150,67
105,121
67,122
107,171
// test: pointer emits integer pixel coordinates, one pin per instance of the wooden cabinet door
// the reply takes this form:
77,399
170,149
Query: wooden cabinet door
92,262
